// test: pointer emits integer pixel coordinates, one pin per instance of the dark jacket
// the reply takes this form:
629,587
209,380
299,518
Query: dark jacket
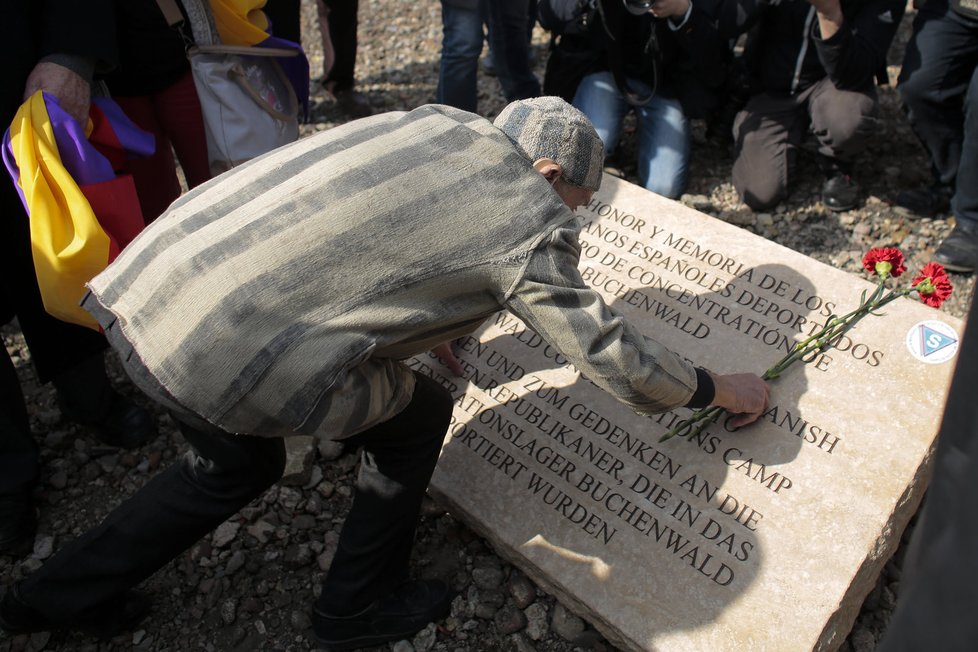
152,55
39,28
786,52
685,64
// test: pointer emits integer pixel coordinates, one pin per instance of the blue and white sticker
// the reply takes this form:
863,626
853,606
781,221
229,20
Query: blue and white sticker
932,341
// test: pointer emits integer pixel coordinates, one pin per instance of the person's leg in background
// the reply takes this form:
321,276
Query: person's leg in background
598,98
488,64
155,177
939,88
937,67
179,114
664,143
367,578
766,134
339,81
959,250
462,39
843,122
69,356
19,466
174,117
508,21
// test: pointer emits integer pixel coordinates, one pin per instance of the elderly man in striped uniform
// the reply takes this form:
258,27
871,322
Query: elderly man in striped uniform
281,298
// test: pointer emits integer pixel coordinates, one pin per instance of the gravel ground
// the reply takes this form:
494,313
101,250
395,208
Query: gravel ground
249,585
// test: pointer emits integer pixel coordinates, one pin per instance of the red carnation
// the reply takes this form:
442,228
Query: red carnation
932,285
885,261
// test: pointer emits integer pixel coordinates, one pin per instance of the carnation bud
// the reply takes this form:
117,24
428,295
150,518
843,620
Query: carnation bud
926,286
883,268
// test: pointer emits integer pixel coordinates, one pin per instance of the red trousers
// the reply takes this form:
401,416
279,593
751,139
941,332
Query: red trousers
173,116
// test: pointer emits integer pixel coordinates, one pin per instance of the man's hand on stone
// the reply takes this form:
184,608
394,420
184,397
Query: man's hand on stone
743,395
447,357
73,91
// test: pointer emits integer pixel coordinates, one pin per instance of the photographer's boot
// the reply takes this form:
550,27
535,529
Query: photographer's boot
926,201
839,192
959,251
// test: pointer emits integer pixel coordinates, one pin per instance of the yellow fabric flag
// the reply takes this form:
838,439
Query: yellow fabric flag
240,22
68,244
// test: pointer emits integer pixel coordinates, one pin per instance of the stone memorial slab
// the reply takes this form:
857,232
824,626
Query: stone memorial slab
768,538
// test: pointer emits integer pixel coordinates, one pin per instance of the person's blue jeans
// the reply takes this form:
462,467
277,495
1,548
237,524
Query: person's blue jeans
462,39
461,45
663,130
508,23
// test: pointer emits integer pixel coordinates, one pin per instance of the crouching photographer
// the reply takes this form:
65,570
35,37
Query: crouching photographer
664,60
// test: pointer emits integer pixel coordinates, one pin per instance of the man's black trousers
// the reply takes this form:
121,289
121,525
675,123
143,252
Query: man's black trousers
221,474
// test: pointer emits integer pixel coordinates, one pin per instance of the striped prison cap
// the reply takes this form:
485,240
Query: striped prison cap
549,127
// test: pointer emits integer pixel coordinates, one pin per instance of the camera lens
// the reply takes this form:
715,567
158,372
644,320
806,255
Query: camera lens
638,7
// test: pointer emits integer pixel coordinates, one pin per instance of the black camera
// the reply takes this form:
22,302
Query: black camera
638,7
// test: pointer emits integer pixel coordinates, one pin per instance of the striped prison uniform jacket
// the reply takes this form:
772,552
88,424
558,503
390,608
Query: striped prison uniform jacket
281,297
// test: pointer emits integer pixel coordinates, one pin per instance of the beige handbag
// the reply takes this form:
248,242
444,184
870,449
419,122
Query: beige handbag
248,104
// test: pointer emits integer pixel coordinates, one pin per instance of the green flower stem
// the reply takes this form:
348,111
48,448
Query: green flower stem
833,329
695,424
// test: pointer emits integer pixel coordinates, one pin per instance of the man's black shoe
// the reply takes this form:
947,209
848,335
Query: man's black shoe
403,613
927,201
959,251
840,193
18,523
104,621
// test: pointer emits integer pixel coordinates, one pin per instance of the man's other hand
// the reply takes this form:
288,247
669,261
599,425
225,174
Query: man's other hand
447,357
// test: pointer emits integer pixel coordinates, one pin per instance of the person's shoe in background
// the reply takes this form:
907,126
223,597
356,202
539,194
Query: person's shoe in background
353,104
350,102
840,193
959,251
926,201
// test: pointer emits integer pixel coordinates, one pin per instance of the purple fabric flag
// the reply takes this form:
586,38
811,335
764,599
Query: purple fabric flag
89,161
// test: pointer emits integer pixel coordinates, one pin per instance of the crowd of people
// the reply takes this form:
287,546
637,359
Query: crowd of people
219,314
768,75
